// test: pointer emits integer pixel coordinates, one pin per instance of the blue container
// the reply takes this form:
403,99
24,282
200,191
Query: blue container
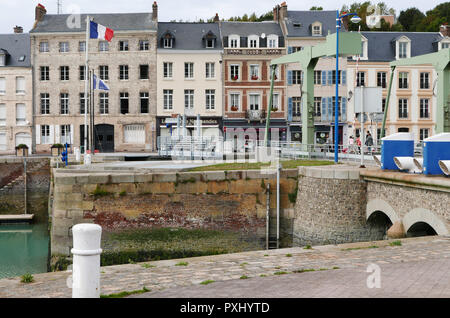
396,145
435,148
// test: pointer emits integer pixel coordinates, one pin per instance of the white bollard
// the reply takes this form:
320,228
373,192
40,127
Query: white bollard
77,154
86,261
87,159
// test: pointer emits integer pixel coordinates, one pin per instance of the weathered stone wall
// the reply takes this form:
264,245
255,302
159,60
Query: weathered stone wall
229,201
330,207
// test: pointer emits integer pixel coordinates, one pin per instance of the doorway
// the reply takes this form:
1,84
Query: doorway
104,138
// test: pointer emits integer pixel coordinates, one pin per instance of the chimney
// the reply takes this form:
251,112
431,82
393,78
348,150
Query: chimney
445,30
39,13
18,29
276,9
216,18
283,11
155,12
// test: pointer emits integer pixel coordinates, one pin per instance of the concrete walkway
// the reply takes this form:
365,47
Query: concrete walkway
417,268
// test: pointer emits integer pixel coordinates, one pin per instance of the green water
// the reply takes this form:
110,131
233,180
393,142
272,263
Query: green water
23,249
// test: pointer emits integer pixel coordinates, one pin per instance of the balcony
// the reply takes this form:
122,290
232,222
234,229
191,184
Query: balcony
245,51
255,114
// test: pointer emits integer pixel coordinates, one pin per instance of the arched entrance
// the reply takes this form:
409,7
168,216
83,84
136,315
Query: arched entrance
420,229
378,223
420,221
104,138
24,138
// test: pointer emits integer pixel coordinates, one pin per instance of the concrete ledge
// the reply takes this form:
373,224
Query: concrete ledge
330,172
99,178
122,178
144,178
214,176
165,177
188,176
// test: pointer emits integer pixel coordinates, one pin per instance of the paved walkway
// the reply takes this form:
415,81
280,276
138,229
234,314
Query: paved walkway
417,268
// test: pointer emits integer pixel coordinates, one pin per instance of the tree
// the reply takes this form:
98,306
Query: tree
410,18
316,8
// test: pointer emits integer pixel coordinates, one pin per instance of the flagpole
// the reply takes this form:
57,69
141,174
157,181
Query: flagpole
86,86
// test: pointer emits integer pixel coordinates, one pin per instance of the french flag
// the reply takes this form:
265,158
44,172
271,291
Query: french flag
101,32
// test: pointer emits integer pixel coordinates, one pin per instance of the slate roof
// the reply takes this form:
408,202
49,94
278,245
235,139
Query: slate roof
245,29
16,45
306,18
381,45
189,35
115,21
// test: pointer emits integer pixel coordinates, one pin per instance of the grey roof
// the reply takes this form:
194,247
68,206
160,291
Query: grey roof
16,45
306,18
249,28
115,21
189,35
381,45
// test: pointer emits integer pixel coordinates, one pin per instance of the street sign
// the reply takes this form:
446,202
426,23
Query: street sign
171,120
358,117
376,117
372,99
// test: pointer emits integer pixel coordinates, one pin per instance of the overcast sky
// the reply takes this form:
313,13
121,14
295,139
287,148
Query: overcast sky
21,12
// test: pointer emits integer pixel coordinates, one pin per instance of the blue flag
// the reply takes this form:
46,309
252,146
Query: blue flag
99,84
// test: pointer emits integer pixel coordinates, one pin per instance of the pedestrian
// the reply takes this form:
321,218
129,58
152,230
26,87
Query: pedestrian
351,144
369,141
358,143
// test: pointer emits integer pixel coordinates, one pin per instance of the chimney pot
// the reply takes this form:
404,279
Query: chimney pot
216,18
18,29
445,30
39,12
155,12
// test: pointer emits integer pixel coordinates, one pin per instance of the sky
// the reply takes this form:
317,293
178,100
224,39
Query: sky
21,12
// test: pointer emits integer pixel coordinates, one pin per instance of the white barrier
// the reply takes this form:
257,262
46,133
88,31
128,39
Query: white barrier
86,261
419,163
406,163
377,159
87,159
77,154
445,166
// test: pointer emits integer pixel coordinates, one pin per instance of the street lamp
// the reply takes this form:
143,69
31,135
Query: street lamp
354,19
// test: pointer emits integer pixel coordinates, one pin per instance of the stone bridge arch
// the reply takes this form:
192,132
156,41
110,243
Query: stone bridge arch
379,205
423,215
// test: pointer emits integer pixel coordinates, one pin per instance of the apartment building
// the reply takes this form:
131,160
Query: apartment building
15,91
249,48
189,59
413,103
310,28
124,116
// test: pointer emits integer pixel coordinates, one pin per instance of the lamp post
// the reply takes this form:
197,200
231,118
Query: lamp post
354,19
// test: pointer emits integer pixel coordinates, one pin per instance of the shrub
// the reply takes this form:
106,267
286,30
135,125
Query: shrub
27,278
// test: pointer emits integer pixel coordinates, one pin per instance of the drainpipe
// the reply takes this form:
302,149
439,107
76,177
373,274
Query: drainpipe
266,135
267,215
278,203
386,106
25,181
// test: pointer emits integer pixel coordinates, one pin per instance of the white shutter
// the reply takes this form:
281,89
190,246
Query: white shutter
71,134
134,134
2,114
20,84
3,141
38,134
52,134
2,85
21,114
57,135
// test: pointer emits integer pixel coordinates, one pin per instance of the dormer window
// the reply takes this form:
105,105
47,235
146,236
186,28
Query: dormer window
253,41
444,43
210,43
403,48
2,57
168,40
210,40
316,28
168,43
233,41
272,41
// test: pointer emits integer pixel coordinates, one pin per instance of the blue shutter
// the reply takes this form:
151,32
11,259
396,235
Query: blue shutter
330,78
344,77
290,109
330,109
289,77
344,109
323,116
289,49
301,77
324,78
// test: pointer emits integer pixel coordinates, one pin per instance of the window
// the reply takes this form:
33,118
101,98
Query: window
104,72
167,42
276,101
82,46
273,43
296,77
123,45
254,71
403,108
383,104
235,101
168,70
277,73
360,79
144,45
424,80
64,73
45,103
210,99
296,48
210,43
381,79
64,103
65,134
253,43
210,70
403,80
168,99
296,106
45,134
63,47
424,133
20,85
403,129
254,101
103,46
316,29
143,72
234,72
124,104
82,104
3,142
2,85
82,72
21,115
123,72
424,108
317,77
402,50
44,47
45,73
134,134
144,99
445,45
188,70
234,42
104,103
188,98
318,106
2,114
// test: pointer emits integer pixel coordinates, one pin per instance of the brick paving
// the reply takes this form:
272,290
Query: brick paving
417,268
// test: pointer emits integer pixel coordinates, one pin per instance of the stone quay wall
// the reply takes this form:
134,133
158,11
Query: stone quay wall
222,200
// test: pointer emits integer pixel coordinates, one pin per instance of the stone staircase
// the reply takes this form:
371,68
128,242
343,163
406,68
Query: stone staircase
21,178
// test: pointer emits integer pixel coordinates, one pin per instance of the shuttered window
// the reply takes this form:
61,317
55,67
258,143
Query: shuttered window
134,134
2,141
2,114
21,115
20,85
2,85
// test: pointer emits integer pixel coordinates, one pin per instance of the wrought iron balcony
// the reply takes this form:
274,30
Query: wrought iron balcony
255,114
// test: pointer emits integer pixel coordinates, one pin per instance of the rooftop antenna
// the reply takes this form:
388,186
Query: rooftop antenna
59,4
